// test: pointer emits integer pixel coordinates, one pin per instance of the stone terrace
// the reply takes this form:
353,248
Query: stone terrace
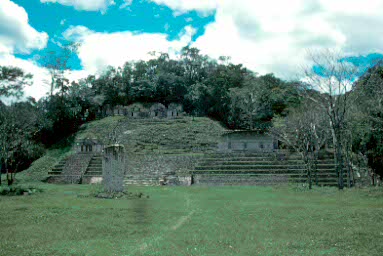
260,169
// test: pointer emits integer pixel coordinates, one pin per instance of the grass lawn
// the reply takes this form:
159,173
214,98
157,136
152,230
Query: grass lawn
194,221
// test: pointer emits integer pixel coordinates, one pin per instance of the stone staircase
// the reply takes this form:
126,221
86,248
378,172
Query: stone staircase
58,168
261,169
93,173
77,168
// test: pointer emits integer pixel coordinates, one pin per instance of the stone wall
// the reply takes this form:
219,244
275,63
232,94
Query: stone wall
159,166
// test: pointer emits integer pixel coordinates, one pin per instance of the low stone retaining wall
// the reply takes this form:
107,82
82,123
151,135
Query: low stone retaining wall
157,169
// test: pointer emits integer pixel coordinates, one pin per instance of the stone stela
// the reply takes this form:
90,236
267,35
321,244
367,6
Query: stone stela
113,168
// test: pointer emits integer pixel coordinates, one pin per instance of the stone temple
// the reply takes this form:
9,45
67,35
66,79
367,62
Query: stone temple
238,158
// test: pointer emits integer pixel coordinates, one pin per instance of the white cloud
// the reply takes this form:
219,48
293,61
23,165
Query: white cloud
77,33
126,4
273,36
84,5
16,35
41,77
330,85
99,50
189,19
182,6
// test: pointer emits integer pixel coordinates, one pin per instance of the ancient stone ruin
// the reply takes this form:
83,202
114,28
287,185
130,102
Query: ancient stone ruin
158,110
143,110
88,145
240,158
247,141
174,110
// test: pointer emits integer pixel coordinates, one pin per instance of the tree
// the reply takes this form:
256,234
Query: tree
194,65
19,125
305,130
58,63
13,80
366,121
332,75
259,99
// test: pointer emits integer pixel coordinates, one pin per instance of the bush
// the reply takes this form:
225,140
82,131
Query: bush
19,190
99,192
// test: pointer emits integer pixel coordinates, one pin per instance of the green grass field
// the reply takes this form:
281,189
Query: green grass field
193,221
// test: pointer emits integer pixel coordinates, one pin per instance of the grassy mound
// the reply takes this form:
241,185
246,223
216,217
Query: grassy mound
38,171
179,136
184,135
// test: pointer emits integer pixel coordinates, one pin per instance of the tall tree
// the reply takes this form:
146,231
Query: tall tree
19,125
306,131
13,80
58,64
332,75
367,119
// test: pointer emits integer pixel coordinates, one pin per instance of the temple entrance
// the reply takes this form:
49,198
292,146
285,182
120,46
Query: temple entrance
247,141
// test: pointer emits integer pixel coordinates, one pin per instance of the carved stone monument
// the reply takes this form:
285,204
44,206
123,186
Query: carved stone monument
113,168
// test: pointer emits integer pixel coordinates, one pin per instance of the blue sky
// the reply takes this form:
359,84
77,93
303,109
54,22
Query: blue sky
140,17
271,36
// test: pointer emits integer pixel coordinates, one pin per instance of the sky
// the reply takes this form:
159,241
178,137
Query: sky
271,36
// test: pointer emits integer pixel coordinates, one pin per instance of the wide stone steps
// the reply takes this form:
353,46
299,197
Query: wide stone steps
264,180
263,168
257,183
94,168
251,158
256,161
58,168
96,164
326,174
260,166
259,171
292,175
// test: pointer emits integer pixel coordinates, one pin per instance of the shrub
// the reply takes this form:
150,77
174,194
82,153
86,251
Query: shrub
19,190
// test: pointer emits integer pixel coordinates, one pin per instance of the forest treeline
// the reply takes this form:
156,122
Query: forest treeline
303,116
